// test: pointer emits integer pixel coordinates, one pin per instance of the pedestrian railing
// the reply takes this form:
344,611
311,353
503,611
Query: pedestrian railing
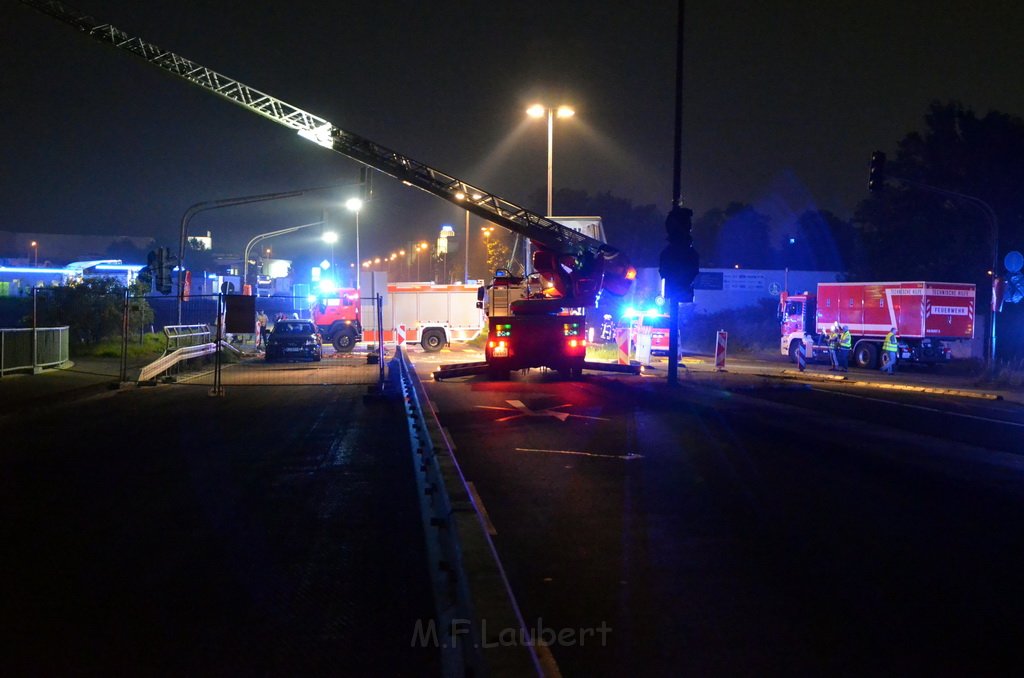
33,350
180,336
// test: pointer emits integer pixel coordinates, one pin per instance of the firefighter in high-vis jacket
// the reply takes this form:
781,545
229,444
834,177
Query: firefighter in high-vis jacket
845,344
889,351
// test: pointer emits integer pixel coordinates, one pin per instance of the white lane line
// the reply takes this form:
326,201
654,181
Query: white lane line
922,407
488,525
625,457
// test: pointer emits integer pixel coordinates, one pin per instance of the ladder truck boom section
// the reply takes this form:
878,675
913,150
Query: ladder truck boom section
601,267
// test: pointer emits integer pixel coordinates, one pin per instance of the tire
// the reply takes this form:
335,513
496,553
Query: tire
344,341
432,341
885,358
792,349
865,355
497,373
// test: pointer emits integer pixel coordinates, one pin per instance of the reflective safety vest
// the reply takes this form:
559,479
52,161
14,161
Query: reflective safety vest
890,342
846,341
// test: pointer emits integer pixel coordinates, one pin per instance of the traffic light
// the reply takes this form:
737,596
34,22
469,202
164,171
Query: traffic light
145,274
163,270
679,263
876,173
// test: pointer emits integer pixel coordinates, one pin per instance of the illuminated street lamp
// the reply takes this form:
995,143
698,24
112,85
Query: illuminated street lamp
35,253
538,111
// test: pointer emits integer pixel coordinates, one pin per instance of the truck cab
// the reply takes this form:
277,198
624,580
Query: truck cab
797,316
337,317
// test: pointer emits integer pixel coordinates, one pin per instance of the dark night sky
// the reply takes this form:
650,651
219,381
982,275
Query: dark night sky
783,104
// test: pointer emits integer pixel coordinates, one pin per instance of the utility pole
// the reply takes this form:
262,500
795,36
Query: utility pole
679,263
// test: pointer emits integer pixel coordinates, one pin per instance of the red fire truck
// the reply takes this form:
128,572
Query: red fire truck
925,315
574,268
432,316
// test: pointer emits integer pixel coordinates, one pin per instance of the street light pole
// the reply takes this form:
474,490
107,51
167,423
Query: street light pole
355,205
227,202
551,158
536,111
264,236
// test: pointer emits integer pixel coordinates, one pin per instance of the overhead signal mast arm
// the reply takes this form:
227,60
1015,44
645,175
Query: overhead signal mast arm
517,219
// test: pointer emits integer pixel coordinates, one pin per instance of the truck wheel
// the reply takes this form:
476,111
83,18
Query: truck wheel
793,345
865,355
432,341
344,341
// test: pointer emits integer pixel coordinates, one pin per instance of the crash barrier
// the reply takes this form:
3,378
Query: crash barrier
184,342
167,361
33,350
180,336
469,583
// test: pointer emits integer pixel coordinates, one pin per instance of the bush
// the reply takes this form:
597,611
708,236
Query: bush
752,329
150,346
1007,374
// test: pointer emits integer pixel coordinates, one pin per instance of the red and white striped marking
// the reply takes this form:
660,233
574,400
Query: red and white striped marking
720,349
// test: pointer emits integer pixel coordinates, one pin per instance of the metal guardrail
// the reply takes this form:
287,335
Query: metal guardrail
27,349
471,590
179,336
169,360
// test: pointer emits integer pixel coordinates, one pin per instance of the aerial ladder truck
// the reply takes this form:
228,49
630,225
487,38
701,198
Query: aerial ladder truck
536,321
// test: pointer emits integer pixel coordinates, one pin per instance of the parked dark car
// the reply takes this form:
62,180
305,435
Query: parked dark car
294,340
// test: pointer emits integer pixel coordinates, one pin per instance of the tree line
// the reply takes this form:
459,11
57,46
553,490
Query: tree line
906,231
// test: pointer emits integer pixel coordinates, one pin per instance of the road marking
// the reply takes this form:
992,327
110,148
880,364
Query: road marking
921,407
488,525
624,457
521,410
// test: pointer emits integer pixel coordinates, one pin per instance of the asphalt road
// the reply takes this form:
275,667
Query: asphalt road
161,531
735,525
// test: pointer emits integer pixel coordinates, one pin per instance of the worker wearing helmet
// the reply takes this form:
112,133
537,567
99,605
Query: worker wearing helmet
890,348
832,340
845,344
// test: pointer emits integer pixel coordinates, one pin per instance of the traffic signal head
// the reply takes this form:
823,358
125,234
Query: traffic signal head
679,265
876,173
678,225
163,270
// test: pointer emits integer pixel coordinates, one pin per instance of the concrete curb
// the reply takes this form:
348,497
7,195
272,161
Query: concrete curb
960,393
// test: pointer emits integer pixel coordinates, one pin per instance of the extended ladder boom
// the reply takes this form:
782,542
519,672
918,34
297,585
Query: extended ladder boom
476,200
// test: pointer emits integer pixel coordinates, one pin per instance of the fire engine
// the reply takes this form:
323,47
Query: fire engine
539,323
925,315
431,315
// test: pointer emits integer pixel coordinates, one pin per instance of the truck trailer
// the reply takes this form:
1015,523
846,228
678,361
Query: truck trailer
423,313
925,314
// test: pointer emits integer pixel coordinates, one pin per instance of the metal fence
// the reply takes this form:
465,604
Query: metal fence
150,338
32,350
